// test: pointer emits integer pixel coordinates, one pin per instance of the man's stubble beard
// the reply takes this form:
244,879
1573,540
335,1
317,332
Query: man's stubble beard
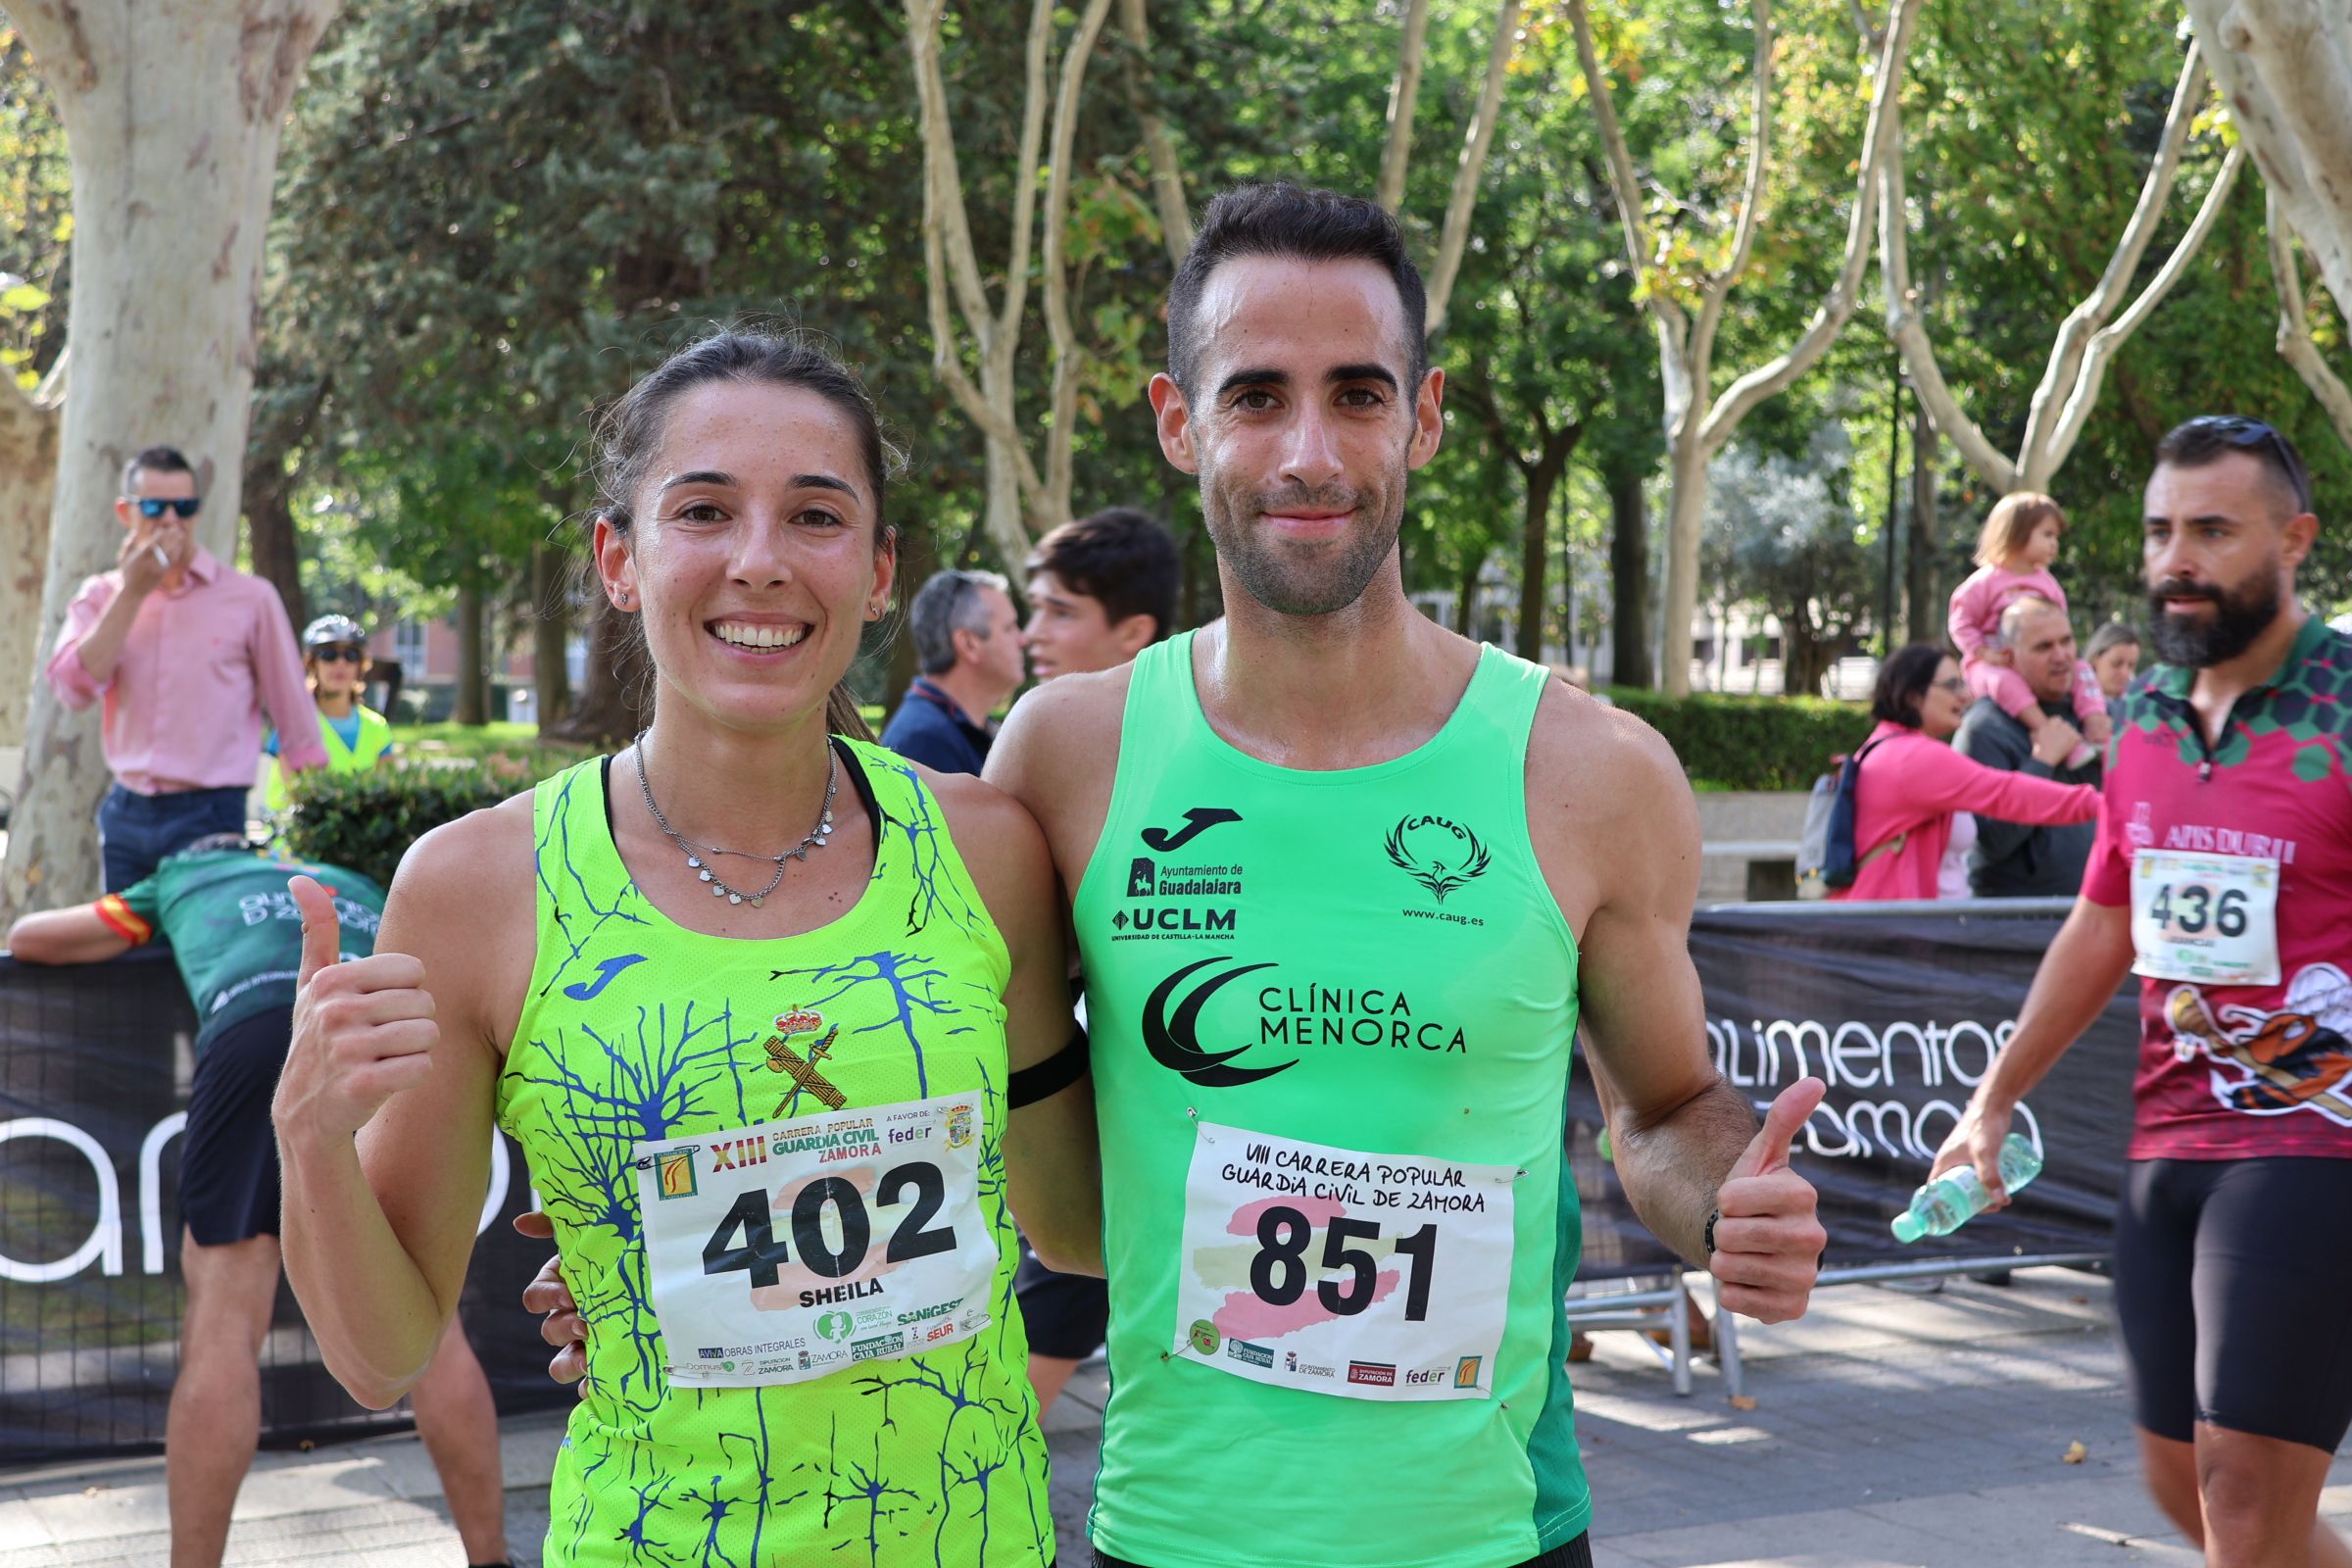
2240,616
1320,589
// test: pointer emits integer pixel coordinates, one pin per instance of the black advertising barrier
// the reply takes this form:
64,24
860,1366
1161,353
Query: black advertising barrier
1898,1009
94,1065
1898,1006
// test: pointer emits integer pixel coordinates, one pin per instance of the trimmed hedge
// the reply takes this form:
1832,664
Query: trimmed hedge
1750,742
366,820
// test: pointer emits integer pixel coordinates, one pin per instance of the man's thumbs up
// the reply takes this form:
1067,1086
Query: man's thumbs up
362,1030
1767,1240
1768,1150
321,928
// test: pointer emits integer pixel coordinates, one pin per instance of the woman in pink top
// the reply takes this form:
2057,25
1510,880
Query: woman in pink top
1912,784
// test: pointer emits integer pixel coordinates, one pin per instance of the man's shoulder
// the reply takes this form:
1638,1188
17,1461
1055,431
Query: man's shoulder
1599,759
1988,734
1070,707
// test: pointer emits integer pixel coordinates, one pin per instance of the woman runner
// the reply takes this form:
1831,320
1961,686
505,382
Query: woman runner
757,1052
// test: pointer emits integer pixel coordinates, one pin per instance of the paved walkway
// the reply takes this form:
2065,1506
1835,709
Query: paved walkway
1889,1429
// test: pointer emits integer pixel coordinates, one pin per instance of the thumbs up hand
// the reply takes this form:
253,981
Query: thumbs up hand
363,1031
1767,1240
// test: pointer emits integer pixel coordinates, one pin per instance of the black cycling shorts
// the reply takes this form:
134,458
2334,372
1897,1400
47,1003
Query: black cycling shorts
228,1154
2232,1284
1066,1315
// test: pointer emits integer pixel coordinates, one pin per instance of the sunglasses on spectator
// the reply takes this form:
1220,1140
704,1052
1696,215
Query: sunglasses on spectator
149,507
338,654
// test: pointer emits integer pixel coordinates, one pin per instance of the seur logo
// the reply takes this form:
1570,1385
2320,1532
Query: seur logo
1174,1041
1439,855
1196,822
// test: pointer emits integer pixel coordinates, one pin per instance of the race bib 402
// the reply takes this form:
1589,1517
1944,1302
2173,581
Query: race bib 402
787,1250
1366,1275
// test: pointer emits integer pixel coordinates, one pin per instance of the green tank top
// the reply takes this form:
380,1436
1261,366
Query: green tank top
652,1067
1332,1014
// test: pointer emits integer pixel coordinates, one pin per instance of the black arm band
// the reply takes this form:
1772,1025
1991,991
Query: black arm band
1050,1077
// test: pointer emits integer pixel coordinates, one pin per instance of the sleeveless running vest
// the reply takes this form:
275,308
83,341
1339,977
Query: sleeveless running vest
639,1042
376,739
1332,1014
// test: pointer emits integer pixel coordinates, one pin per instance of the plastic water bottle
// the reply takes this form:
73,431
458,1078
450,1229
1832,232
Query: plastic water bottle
1957,1196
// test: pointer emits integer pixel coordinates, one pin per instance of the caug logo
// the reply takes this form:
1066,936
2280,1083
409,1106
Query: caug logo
1440,855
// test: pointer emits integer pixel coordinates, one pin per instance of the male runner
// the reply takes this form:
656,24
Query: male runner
1343,884
238,938
2219,877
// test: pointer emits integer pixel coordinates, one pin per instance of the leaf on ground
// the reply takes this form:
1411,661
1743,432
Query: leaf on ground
1742,1402
2075,1454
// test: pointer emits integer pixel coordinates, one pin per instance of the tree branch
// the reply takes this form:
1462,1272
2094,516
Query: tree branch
1069,357
1909,329
947,230
1767,380
2059,380
2281,66
1718,291
1024,183
2296,343
1476,142
2103,346
1673,326
1167,179
1404,97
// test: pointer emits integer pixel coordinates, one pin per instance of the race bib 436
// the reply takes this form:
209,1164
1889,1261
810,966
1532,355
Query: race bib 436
787,1250
1366,1275
2212,918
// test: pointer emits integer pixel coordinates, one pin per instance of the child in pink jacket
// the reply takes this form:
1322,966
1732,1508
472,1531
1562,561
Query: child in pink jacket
2013,561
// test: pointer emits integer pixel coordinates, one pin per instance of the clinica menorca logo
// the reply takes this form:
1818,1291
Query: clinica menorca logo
1440,855
1174,1040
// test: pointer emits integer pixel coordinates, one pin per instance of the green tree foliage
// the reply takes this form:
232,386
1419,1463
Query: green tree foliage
36,220
2028,129
1781,533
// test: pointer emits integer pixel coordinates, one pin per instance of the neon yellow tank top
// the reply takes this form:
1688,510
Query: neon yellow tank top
652,1067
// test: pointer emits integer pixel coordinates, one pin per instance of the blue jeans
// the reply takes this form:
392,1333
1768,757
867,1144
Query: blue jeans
136,831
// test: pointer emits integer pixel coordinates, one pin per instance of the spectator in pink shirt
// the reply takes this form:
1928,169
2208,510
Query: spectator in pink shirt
1912,787
187,654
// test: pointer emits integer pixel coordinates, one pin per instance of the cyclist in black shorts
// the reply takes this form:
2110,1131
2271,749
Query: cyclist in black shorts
2223,876
238,938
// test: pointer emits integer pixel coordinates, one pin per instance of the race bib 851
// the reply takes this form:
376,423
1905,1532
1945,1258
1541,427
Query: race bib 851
787,1250
1371,1276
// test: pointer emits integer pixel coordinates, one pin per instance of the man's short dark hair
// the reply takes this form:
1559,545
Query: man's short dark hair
1280,219
948,602
2210,437
1118,556
155,460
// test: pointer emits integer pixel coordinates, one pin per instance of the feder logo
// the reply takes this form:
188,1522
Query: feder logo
1440,855
1174,1040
